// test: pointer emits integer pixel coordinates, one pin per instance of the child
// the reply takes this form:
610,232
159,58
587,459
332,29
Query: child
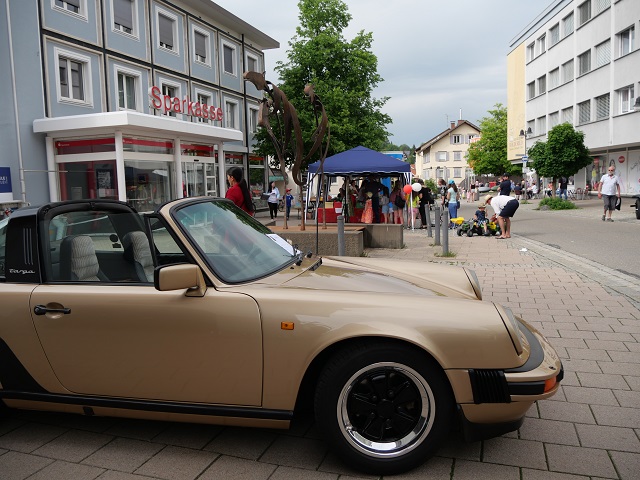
481,218
288,198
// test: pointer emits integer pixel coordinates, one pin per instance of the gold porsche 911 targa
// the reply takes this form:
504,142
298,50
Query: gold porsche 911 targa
199,313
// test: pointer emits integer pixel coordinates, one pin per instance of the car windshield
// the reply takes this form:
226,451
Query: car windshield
237,247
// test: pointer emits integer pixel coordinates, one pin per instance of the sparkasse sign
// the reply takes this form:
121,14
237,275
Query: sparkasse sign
183,106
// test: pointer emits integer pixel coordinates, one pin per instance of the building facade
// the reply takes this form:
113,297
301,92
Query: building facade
579,62
136,100
445,155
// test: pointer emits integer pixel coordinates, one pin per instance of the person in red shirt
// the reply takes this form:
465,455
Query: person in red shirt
238,191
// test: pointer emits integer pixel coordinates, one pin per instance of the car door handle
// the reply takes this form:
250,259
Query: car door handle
41,310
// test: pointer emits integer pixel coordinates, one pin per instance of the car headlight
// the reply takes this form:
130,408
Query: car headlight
513,327
475,283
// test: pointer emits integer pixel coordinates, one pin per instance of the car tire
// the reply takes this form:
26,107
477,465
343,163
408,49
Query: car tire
470,233
383,407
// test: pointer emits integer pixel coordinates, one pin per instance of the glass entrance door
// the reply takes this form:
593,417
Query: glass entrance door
199,178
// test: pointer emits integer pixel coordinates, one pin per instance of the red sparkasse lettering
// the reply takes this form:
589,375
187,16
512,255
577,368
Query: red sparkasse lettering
166,106
219,114
154,93
190,106
177,105
197,110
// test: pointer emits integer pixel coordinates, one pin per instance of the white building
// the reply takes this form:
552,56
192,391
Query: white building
579,62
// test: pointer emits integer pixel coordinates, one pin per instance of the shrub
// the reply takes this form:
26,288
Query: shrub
556,204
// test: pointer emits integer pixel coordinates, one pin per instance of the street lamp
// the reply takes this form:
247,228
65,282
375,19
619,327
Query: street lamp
525,133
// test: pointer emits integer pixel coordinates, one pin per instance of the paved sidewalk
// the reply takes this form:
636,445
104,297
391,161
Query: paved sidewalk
590,429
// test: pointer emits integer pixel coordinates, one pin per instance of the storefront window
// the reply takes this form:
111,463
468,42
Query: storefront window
146,145
148,183
90,145
256,180
195,150
88,180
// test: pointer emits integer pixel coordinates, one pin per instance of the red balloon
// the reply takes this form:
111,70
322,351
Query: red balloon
407,189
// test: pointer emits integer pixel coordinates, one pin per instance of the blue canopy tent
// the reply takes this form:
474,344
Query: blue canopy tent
360,161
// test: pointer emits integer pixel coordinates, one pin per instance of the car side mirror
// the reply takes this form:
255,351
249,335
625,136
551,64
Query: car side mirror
185,276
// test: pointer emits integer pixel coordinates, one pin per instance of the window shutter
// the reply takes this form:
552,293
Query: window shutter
228,59
602,107
75,3
166,30
200,44
122,14
603,53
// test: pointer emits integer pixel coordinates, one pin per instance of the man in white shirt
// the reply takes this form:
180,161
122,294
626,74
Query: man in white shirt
505,207
609,190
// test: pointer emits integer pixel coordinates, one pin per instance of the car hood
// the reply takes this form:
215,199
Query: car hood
390,276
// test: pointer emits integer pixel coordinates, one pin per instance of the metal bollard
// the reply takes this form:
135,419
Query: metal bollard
445,232
428,212
340,235
437,239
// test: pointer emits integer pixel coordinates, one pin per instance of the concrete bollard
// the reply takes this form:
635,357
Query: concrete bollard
428,212
445,232
341,245
437,238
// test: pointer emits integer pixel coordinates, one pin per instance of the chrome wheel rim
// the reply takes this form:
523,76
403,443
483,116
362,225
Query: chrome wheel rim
386,410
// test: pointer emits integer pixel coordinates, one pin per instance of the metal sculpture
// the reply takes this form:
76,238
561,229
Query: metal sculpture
287,137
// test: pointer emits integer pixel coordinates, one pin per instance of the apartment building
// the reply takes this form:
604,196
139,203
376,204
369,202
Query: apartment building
445,155
579,62
136,100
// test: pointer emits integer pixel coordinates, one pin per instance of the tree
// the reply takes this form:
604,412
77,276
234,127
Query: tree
562,155
343,74
489,154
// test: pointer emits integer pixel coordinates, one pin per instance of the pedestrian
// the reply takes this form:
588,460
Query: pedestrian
505,185
442,190
505,207
397,197
425,201
562,185
452,202
518,191
609,190
272,201
288,199
481,218
238,191
384,203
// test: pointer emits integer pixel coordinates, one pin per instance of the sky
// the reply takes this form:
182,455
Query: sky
440,60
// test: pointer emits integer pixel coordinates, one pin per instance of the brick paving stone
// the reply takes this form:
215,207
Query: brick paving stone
615,336
60,470
8,424
566,412
235,442
625,357
628,399
627,464
455,447
564,333
616,416
30,437
231,468
580,460
177,463
333,464
633,382
437,468
466,470
113,475
18,466
569,342
601,380
584,354
621,368
552,431
138,429
570,378
577,365
609,438
290,473
123,454
188,435
517,452
73,446
606,345
595,327
295,452
528,474
590,395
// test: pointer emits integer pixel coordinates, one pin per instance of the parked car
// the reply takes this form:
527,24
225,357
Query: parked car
637,205
199,313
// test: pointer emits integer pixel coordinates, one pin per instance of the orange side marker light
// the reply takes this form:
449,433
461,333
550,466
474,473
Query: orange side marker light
549,384
286,325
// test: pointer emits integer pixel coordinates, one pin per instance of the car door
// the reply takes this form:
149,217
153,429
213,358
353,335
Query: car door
124,338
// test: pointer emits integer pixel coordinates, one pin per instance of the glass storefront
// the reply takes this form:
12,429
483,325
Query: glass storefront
88,180
148,183
256,180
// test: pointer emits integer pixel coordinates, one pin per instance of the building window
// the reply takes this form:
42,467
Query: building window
531,52
567,25
123,16
229,59
171,91
542,126
541,43
471,136
532,125
601,5
626,96
457,139
603,53
542,85
127,86
554,119
567,115
457,156
441,156
531,90
253,65
602,107
73,6
567,71
584,12
457,172
201,46
584,112
74,76
625,41
253,120
230,114
554,34
203,99
584,63
554,78
426,158
167,26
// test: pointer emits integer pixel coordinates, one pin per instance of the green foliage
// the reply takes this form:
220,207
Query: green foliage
488,156
410,152
431,183
343,73
562,155
557,203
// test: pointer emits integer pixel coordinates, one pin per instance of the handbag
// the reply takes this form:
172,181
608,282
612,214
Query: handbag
618,203
458,204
